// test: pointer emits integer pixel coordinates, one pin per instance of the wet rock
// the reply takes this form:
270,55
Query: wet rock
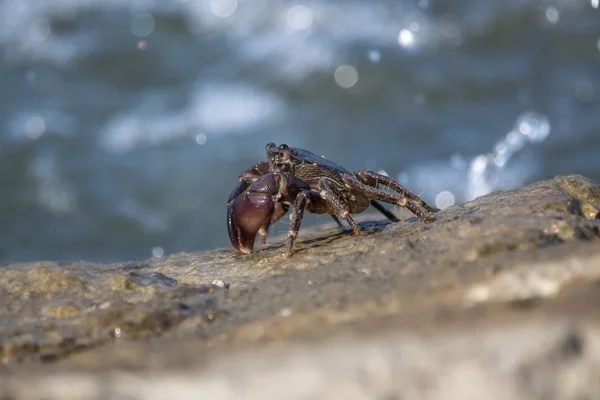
496,298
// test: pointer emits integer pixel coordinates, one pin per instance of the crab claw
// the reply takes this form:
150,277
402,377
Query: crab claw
246,215
260,204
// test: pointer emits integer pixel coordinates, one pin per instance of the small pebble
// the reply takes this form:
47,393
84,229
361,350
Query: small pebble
477,294
220,283
285,312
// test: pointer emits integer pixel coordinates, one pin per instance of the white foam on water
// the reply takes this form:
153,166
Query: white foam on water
316,32
298,38
221,108
214,109
26,33
322,44
505,167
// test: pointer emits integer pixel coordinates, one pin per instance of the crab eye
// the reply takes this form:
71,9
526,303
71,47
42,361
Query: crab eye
271,147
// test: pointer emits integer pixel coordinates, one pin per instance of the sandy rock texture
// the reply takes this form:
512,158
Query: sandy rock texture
497,298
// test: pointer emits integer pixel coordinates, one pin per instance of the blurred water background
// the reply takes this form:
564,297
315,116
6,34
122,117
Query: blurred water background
124,124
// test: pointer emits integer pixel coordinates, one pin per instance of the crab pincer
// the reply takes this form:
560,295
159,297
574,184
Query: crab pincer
260,204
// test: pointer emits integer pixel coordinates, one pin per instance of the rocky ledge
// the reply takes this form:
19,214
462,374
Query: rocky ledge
497,298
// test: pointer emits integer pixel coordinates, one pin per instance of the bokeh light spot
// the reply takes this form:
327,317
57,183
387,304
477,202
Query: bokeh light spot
444,199
346,76
552,15
500,160
595,3
300,17
158,251
201,139
223,8
406,38
142,45
479,164
142,24
36,126
534,126
374,56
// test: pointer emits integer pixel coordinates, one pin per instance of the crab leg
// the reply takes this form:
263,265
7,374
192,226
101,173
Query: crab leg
332,196
372,179
378,194
280,211
302,201
391,216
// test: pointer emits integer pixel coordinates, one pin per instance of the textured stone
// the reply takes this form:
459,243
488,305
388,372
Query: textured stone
496,298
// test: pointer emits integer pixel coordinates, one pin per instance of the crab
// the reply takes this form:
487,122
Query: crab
297,178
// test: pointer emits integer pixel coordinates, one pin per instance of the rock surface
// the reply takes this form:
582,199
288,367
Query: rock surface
498,298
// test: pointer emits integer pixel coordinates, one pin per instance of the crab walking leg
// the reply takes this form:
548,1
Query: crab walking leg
378,194
372,179
302,201
263,232
334,199
337,220
280,211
